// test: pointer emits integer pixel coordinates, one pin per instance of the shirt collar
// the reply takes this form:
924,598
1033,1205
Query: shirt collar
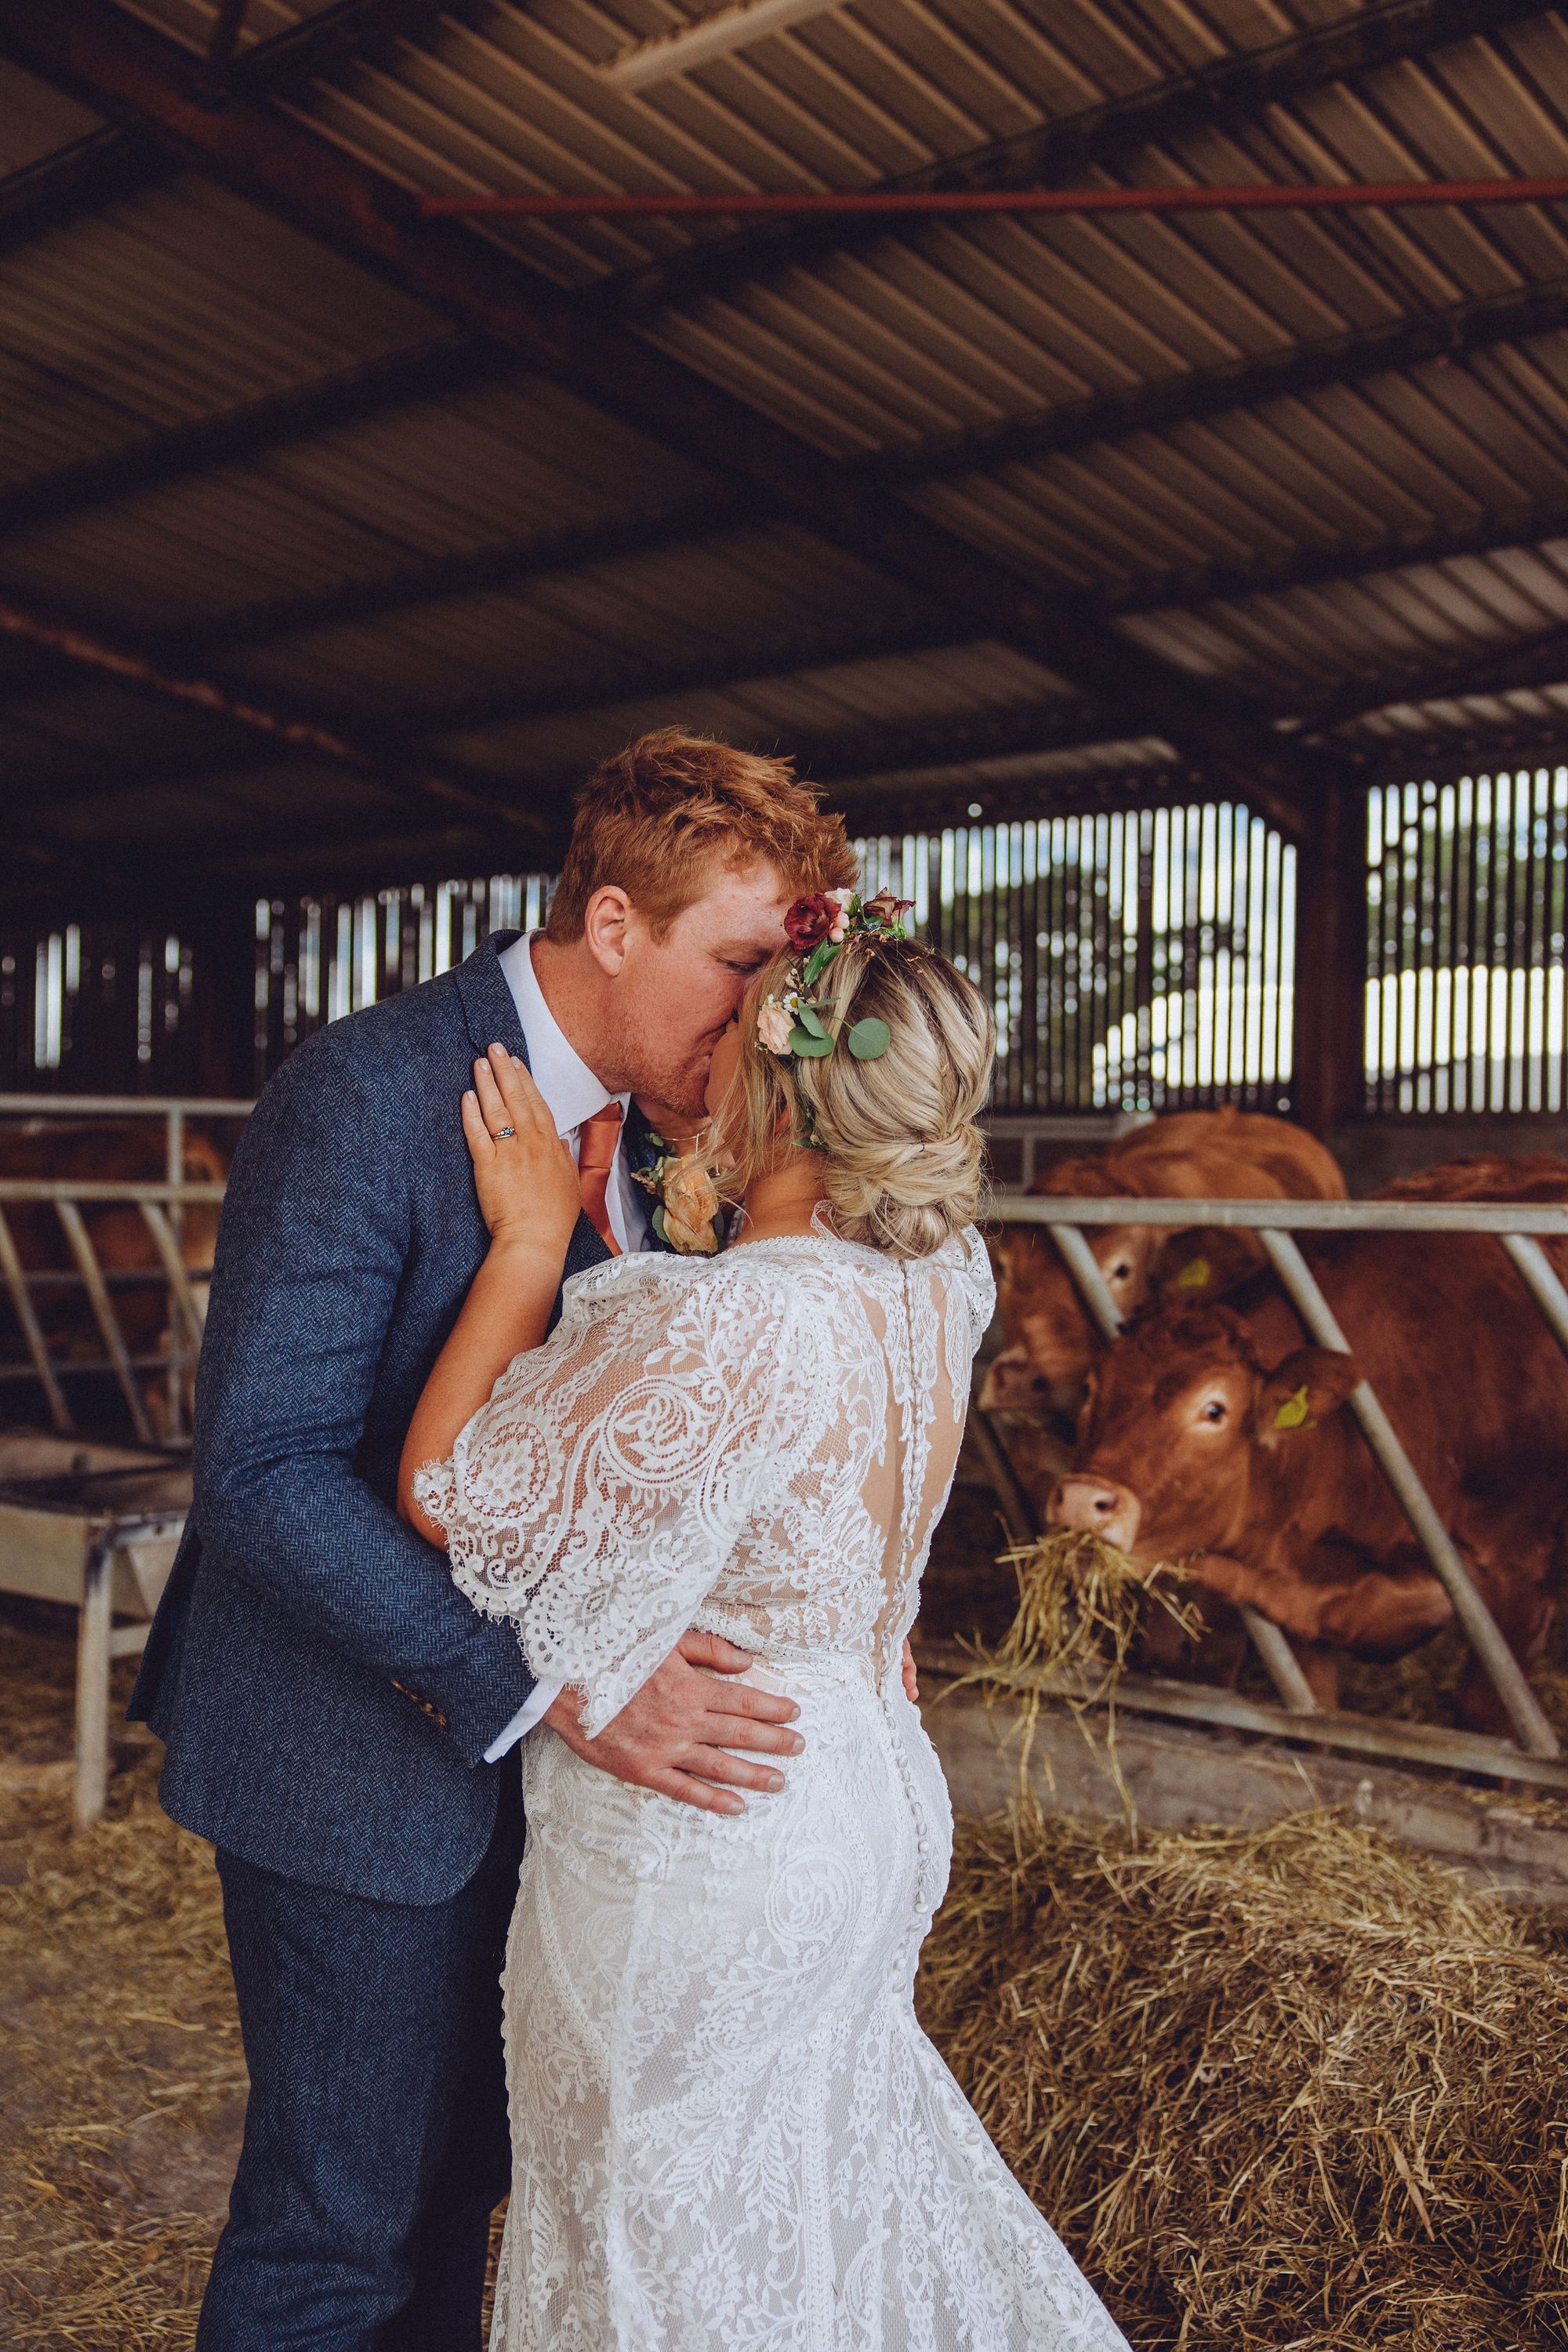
562,1075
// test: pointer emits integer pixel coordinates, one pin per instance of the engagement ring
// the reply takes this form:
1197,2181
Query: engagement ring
502,1132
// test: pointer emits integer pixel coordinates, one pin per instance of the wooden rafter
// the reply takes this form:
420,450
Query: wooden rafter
1100,137
469,574
133,76
1293,373
293,734
76,182
672,683
333,38
1539,659
848,758
1329,567
227,24
518,566
446,363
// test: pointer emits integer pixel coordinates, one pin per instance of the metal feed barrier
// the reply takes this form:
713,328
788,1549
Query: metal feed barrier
161,1207
1537,1758
90,1526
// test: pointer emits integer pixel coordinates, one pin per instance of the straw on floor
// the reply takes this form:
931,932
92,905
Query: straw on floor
1301,2088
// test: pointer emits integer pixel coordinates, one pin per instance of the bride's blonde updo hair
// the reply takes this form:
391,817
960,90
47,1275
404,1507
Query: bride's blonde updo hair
901,1152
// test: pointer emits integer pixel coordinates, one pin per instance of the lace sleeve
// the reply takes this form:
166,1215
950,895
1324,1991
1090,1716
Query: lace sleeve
977,1284
596,1497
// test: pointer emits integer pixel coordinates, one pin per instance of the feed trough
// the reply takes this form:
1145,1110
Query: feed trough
96,1527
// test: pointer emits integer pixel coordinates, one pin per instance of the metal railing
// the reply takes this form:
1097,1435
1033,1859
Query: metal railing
1521,1229
161,1206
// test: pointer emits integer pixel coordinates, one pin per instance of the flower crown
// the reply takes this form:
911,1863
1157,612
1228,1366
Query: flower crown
819,926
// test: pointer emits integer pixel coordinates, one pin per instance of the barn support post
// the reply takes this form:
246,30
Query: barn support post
223,953
1329,978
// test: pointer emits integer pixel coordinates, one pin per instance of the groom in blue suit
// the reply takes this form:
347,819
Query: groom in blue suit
339,1721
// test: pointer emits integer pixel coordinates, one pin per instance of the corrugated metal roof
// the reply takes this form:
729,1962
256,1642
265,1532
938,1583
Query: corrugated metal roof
502,463
169,306
440,567
1306,644
809,707
774,596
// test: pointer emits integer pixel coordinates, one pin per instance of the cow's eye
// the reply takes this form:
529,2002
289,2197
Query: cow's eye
1214,1410
1120,1271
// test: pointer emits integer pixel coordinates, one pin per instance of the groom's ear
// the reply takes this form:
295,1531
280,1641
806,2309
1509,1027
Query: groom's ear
606,921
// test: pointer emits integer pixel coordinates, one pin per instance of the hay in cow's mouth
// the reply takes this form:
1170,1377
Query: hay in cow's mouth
1298,2087
1080,1602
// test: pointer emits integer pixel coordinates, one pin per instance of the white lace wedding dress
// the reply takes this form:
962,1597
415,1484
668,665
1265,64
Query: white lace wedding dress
730,2133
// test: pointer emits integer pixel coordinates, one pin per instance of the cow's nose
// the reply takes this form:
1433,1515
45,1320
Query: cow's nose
1098,1506
1012,1385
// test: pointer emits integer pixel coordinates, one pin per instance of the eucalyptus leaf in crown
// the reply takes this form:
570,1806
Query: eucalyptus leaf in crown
793,1025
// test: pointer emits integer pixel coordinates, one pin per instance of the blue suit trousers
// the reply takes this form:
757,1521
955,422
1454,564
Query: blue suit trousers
376,2143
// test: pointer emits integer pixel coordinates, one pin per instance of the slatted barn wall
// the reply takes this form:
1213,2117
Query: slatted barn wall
1467,886
1137,960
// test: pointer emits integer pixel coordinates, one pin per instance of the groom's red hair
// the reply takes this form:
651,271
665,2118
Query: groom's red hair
656,818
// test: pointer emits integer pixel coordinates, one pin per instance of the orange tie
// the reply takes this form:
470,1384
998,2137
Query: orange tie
597,1141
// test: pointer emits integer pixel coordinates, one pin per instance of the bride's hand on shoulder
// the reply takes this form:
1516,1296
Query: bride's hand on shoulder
524,1172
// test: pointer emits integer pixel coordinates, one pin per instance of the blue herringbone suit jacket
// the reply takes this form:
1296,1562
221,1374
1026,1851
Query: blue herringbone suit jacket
325,1692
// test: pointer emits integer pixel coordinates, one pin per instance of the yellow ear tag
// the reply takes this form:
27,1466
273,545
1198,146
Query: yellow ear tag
1194,1275
1293,1412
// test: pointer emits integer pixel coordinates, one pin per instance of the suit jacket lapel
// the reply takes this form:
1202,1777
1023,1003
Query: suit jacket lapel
491,1011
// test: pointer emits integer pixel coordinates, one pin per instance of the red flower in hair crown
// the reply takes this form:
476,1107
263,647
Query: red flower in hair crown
818,928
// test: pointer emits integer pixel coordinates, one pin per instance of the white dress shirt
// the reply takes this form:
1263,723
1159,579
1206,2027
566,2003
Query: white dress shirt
571,1094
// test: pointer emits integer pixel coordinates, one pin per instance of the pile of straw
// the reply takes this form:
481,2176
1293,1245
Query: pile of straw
1298,2088
124,2079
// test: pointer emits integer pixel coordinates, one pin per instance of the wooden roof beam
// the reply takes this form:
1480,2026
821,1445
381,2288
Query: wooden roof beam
445,364
845,758
1539,659
131,73
333,38
470,574
1330,567
292,733
1234,89
672,683
572,550
1293,373
76,182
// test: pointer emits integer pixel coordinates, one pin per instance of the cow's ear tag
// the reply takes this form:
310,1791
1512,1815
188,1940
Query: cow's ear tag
1293,1412
1195,1275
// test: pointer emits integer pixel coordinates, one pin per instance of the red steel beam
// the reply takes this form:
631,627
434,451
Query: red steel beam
1321,197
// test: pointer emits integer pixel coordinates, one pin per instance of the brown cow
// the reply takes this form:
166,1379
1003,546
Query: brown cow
1224,1155
101,1151
1222,1437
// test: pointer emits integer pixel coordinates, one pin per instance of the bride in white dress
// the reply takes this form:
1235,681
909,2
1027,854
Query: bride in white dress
730,2133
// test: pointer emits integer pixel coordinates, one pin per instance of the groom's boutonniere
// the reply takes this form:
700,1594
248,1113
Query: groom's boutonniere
686,1204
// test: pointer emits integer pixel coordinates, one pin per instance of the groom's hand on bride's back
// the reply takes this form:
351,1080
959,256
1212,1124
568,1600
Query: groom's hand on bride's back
676,1734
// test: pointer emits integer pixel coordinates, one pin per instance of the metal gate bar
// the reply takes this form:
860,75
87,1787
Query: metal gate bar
32,1330
1535,1734
185,1317
104,1316
1514,1225
158,1203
